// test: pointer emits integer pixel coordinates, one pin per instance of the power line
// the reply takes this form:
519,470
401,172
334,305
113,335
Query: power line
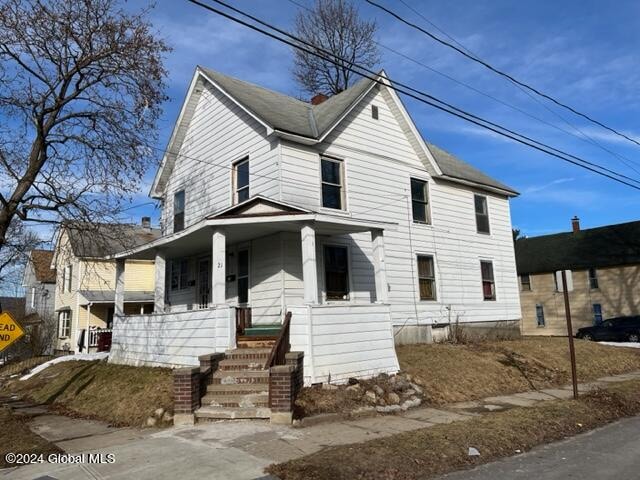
430,100
500,72
582,136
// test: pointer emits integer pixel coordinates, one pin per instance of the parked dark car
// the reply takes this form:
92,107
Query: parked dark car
619,329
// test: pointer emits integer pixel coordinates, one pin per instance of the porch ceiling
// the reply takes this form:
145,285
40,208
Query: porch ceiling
197,238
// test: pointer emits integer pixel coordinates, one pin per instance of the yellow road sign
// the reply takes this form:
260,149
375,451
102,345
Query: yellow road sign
10,330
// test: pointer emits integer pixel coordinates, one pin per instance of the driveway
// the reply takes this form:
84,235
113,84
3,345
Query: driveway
611,452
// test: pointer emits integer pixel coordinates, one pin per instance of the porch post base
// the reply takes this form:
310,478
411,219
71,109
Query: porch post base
281,418
183,419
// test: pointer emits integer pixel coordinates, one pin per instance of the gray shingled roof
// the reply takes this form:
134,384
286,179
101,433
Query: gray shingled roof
613,245
103,239
291,115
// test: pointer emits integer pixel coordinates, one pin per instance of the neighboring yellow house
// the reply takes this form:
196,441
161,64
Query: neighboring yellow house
85,286
605,266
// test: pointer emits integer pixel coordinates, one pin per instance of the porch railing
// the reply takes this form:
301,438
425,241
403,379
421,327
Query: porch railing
282,345
95,336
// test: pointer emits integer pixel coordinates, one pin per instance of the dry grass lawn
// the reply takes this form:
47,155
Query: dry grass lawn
454,373
118,394
444,448
15,437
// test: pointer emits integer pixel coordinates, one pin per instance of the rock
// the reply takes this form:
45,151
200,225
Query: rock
381,401
393,379
159,412
328,386
167,417
418,381
354,388
411,403
402,385
352,381
151,422
473,452
370,396
379,391
409,392
408,377
363,410
417,388
388,408
393,398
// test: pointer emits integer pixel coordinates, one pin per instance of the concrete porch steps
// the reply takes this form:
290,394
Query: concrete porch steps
239,388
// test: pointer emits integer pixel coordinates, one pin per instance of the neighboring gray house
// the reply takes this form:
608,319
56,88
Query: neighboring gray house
39,283
336,211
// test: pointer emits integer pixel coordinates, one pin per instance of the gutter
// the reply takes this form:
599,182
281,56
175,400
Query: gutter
471,183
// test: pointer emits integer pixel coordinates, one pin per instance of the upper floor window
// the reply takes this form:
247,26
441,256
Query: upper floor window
336,272
178,211
593,278
540,315
420,201
69,277
525,282
482,213
426,277
488,282
63,283
33,297
332,183
374,112
241,180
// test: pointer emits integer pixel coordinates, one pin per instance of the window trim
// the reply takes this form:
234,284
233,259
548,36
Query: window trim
522,284
434,286
493,281
593,279
182,212
595,315
427,203
172,266
64,324
234,180
486,202
347,247
544,320
343,186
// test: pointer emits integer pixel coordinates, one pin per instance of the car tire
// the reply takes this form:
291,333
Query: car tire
587,336
634,337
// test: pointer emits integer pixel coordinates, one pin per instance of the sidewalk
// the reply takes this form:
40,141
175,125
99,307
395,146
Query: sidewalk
241,449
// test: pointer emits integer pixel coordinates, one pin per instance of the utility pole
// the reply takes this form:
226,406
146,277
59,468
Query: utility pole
572,351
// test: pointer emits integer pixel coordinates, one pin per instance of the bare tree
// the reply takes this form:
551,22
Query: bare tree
334,26
14,255
82,85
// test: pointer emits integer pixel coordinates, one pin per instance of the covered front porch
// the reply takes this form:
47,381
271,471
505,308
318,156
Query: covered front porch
240,271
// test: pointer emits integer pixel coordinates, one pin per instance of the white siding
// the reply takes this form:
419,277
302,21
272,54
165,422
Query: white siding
171,340
343,341
266,277
379,162
219,134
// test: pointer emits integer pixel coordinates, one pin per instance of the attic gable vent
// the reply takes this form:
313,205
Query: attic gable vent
374,112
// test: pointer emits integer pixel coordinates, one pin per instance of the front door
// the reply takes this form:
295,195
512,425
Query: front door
243,277
204,280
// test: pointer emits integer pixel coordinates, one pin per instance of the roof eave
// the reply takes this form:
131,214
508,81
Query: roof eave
490,188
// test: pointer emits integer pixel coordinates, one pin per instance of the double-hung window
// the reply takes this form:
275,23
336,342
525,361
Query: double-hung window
243,276
540,315
593,278
488,282
69,277
178,211
482,214
64,324
525,282
332,183
241,180
179,274
336,272
426,277
420,201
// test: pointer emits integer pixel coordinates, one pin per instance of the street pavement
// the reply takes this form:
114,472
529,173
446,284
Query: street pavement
611,452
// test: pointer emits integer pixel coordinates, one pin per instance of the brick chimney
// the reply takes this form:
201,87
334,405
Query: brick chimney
575,224
146,223
318,98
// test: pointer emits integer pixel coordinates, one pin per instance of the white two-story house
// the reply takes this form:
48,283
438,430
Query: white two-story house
336,211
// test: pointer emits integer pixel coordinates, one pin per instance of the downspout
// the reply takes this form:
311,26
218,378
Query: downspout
86,336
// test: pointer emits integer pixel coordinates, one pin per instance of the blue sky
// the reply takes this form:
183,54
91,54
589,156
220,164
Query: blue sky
582,52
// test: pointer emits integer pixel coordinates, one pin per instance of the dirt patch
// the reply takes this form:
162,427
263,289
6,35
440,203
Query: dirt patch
456,373
444,448
16,437
119,394
383,394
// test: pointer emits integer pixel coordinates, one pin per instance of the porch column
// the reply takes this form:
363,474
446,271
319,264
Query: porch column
160,281
119,297
382,290
309,266
218,268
